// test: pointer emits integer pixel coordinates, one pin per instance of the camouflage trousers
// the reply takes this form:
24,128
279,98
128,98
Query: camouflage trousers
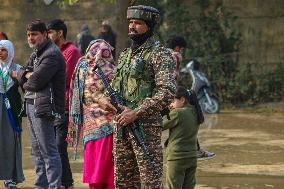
131,169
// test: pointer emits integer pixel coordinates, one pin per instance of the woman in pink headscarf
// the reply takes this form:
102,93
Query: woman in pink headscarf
89,120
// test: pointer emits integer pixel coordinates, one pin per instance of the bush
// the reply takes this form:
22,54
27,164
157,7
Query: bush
214,39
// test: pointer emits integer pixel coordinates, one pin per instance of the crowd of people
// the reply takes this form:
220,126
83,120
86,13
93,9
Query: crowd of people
66,100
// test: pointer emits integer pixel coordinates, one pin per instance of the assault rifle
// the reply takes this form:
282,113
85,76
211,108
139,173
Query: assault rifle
117,100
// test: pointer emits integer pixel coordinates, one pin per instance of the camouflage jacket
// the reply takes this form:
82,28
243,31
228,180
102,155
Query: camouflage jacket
145,77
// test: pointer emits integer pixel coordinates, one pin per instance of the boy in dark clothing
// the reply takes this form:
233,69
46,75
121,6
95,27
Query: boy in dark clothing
108,35
177,44
84,38
57,32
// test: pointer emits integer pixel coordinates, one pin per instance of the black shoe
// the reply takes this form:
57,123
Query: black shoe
67,187
9,184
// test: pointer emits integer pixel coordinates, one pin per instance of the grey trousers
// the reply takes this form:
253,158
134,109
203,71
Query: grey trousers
44,151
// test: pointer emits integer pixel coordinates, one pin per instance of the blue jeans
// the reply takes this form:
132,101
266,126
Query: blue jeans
44,151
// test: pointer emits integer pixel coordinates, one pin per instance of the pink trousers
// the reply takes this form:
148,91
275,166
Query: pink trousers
101,186
98,168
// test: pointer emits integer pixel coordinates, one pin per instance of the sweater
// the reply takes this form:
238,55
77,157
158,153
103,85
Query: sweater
71,55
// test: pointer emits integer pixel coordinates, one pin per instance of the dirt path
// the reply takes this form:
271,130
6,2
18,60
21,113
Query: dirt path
249,148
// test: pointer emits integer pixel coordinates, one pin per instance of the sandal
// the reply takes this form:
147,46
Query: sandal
9,184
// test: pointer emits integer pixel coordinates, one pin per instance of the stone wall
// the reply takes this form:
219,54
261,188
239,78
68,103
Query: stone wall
15,14
260,21
262,27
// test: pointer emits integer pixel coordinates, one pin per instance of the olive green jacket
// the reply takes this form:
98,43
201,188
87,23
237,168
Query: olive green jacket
183,129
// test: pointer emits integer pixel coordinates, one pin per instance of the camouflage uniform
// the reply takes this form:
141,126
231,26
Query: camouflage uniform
145,78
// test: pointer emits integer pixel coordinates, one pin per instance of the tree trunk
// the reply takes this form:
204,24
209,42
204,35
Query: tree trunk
121,25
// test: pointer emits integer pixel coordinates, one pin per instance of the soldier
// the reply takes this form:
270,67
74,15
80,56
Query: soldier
144,77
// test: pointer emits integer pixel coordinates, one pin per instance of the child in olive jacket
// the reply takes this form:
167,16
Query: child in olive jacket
181,146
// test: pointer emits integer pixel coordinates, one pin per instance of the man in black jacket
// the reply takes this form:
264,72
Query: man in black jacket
108,35
43,78
84,38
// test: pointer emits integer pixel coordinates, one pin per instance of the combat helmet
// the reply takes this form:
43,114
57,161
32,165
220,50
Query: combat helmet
142,12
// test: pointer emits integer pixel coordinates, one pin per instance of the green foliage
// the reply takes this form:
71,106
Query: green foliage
63,3
107,1
270,84
253,85
212,39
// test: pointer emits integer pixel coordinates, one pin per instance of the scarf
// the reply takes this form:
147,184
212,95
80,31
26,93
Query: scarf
6,81
98,51
139,39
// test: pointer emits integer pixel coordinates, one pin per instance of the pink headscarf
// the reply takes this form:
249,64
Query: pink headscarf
99,49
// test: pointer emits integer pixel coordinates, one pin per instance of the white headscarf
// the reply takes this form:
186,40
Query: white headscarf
6,64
